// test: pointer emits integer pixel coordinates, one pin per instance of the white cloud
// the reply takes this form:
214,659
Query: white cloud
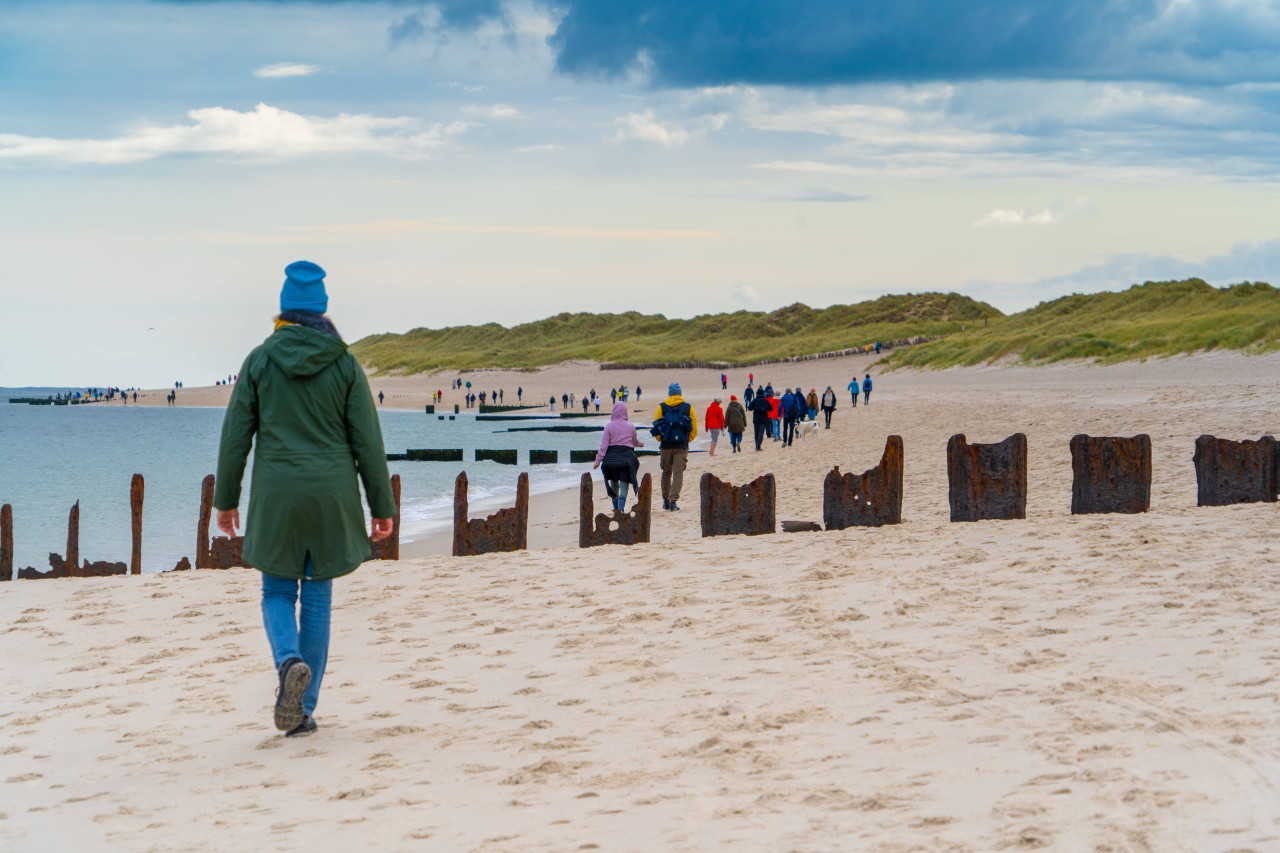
265,132
1001,216
745,294
492,110
645,127
529,149
286,69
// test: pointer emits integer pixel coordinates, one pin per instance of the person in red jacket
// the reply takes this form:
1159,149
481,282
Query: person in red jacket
714,421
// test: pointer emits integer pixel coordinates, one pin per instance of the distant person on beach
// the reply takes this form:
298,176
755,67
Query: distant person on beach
735,423
585,402
724,382
877,347
759,409
613,394
595,399
553,402
307,402
617,457
379,398
789,408
637,394
747,395
811,403
564,402
714,422
573,402
828,404
520,393
853,391
676,424
866,390
775,415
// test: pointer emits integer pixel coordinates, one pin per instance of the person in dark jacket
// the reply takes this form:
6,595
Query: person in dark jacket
866,390
788,408
811,403
735,423
748,395
828,404
305,403
759,417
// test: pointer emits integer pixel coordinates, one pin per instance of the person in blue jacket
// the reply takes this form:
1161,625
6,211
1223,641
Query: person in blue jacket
853,391
748,395
788,408
866,390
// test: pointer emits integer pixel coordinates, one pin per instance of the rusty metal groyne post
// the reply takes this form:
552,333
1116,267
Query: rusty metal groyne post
1110,474
987,481
871,499
505,530
619,527
748,509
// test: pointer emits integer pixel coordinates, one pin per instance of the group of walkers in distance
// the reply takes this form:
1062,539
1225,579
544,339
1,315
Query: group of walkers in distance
675,424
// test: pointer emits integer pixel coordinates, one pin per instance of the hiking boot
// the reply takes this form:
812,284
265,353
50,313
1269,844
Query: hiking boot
306,727
666,505
673,507
295,675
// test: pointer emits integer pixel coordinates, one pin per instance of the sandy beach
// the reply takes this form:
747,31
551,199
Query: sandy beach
1104,682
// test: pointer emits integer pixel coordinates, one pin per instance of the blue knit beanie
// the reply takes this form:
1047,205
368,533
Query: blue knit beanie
304,288
673,390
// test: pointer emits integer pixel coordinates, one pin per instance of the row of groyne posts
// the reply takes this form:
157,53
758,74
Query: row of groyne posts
986,481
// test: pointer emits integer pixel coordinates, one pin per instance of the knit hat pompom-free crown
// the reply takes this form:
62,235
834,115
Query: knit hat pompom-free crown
673,389
304,288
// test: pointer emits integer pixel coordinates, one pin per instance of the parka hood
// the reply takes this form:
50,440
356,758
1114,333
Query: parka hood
620,412
302,351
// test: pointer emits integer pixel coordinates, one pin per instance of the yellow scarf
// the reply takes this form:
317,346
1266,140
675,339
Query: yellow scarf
280,324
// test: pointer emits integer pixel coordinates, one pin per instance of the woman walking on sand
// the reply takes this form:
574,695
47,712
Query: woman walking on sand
828,404
305,398
617,457
713,420
735,422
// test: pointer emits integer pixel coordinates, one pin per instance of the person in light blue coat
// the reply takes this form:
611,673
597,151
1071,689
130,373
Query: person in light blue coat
866,391
853,391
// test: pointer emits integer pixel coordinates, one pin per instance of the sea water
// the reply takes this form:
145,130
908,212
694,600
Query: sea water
53,456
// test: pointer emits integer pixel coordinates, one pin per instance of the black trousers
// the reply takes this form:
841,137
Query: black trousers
788,430
759,429
827,413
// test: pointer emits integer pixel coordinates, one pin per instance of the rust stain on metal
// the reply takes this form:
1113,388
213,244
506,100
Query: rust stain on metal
220,552
616,528
987,481
505,530
136,488
747,509
1235,472
870,499
1110,474
6,543
389,548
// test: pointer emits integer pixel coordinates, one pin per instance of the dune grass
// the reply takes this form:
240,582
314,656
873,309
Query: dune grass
742,337
1150,320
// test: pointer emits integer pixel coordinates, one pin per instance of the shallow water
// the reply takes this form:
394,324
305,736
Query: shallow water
53,456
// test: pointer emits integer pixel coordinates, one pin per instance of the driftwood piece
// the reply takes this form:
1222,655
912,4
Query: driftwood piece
389,548
1235,472
871,499
6,543
1110,474
792,526
136,489
618,527
729,510
220,552
505,530
987,481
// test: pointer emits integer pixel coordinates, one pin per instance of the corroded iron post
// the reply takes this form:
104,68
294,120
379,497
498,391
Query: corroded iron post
389,548
6,543
870,499
72,559
505,530
729,510
1235,472
135,508
202,527
987,481
619,527
1110,474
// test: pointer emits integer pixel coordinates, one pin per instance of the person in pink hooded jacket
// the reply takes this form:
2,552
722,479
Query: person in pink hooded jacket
617,456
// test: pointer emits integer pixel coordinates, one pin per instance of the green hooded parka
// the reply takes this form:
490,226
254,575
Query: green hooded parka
306,399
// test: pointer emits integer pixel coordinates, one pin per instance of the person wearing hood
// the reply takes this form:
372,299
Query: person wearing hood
789,407
303,404
759,417
676,424
617,457
735,422
828,404
714,421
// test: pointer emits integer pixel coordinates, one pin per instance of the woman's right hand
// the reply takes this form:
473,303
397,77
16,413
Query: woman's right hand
595,465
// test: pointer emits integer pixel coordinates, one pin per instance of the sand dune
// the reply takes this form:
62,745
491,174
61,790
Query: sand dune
1067,683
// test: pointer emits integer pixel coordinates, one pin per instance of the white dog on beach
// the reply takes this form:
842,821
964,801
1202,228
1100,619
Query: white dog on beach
806,428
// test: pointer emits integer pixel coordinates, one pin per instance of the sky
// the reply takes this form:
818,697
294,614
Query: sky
472,161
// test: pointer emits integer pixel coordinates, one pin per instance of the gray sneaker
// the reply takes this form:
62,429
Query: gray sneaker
295,676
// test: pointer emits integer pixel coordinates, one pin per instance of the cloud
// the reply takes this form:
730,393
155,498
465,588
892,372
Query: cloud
1000,216
286,69
822,42
498,111
745,294
529,149
265,133
645,127
396,228
409,28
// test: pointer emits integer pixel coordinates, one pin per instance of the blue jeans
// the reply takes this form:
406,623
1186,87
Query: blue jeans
293,636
